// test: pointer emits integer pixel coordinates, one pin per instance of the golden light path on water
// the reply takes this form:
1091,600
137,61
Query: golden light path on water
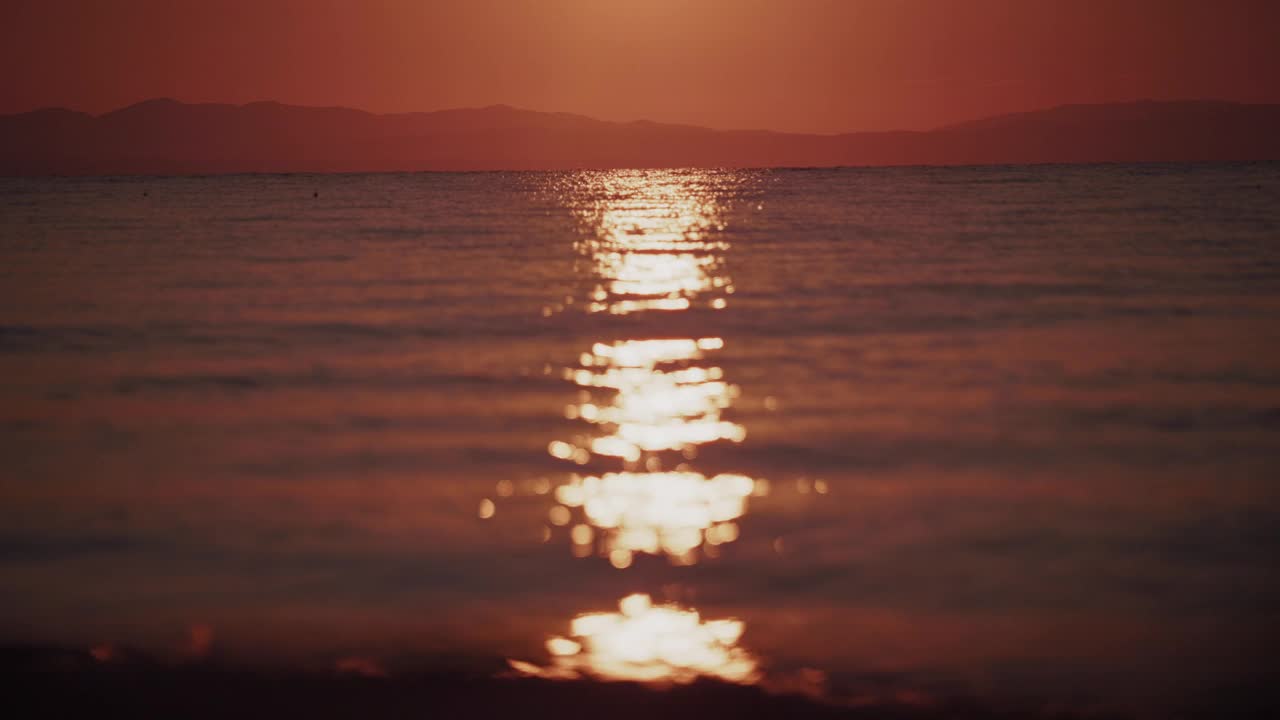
654,245
654,409
646,406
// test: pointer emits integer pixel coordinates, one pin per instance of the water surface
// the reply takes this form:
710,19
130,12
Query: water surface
888,436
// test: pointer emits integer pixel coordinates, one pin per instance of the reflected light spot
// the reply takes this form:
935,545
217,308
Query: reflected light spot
722,533
487,509
635,605
581,534
559,515
559,449
563,646
667,513
646,643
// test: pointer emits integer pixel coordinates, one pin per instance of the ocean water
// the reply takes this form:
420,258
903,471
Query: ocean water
894,435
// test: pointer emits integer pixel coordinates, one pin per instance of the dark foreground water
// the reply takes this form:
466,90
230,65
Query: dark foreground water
885,437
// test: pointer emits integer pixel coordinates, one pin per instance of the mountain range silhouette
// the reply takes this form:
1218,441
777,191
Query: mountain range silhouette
167,137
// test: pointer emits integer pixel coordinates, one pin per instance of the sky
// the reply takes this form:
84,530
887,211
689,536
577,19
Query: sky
794,65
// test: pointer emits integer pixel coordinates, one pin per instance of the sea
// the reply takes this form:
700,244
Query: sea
880,437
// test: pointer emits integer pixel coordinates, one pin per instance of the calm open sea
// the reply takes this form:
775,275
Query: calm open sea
892,434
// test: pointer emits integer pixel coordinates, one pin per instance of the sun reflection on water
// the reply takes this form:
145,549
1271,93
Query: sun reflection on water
658,512
646,400
659,401
647,643
653,243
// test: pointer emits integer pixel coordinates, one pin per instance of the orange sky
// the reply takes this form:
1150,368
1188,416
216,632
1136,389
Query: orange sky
801,65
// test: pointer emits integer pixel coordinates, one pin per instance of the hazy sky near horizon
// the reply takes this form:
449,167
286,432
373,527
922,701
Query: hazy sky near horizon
797,65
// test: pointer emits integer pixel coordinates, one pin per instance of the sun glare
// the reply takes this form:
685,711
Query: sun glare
647,643
653,244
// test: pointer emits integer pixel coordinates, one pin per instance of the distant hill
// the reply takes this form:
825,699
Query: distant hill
166,137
